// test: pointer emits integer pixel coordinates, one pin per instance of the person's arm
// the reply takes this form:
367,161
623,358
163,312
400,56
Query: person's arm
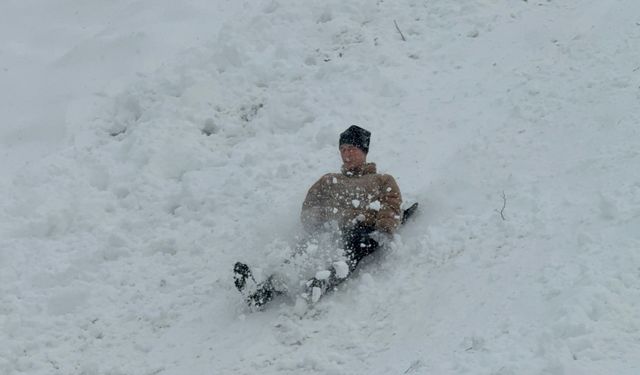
314,210
390,214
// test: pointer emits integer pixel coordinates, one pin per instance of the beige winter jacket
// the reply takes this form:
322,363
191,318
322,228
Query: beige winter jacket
353,197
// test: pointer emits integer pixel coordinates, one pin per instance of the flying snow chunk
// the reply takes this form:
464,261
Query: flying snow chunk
375,205
335,180
323,275
312,248
342,269
316,293
355,203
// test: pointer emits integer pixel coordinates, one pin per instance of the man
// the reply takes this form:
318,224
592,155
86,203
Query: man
358,203
359,200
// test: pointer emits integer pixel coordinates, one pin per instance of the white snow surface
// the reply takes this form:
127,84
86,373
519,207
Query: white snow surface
148,145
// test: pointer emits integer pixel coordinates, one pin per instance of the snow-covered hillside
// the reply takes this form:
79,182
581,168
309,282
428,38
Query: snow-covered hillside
147,146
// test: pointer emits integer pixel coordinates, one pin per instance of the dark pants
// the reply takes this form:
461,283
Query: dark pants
357,244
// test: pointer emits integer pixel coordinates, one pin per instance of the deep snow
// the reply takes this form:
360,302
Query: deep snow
165,141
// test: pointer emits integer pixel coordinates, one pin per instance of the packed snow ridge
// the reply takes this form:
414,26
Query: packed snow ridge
147,146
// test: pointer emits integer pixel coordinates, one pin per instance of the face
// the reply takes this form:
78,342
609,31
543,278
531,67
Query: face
352,156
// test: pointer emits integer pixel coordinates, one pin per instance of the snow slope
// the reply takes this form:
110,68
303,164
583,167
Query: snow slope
56,58
116,248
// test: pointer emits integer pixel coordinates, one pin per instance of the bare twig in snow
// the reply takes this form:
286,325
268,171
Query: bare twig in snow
504,205
415,365
398,28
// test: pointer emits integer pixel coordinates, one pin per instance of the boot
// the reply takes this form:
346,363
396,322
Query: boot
262,295
321,284
241,273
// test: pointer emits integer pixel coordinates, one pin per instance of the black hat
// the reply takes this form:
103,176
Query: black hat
356,136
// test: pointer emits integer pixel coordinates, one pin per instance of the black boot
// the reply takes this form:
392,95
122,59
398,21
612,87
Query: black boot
262,295
316,288
241,273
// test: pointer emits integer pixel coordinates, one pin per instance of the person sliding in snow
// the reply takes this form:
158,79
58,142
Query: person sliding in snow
362,205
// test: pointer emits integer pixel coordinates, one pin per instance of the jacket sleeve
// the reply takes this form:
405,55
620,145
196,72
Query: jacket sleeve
390,215
314,208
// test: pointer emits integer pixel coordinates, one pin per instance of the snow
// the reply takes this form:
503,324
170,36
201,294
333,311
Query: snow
375,205
316,293
146,147
323,275
342,269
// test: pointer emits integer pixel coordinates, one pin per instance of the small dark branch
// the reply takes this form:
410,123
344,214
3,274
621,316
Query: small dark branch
415,365
400,31
116,133
504,205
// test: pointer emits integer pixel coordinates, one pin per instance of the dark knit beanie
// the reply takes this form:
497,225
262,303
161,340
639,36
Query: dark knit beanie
356,136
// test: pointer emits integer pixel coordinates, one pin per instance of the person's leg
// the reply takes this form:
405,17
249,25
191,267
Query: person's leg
263,294
258,294
357,245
